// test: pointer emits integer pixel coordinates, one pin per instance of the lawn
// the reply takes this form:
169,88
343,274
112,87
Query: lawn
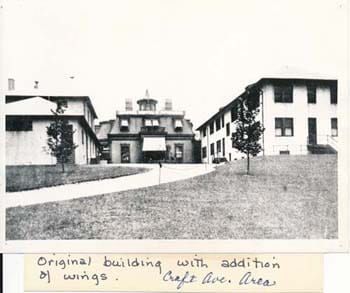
36,176
286,197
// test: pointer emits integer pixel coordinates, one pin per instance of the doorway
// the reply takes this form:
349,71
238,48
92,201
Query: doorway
312,127
125,153
153,157
179,153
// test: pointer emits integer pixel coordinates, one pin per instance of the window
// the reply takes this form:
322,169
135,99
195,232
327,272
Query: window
228,129
283,93
211,127
334,126
11,84
284,127
204,152
212,150
19,124
178,124
223,147
179,152
125,153
205,131
334,95
148,122
218,146
124,124
223,121
82,136
218,123
234,113
286,152
311,94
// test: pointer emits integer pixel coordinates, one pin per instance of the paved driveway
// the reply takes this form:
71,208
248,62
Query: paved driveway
168,173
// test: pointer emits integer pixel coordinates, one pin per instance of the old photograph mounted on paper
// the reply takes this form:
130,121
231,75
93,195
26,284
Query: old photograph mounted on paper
183,120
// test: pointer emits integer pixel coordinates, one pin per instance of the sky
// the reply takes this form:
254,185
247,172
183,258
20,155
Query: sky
201,54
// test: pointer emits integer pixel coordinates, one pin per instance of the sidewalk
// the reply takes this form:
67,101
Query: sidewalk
168,173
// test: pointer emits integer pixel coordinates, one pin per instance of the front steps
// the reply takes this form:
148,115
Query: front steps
321,149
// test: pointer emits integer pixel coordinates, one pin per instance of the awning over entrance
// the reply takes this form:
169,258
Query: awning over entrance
154,144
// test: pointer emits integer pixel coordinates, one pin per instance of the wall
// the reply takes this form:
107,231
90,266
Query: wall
230,152
188,156
78,106
74,107
300,111
135,150
27,147
86,149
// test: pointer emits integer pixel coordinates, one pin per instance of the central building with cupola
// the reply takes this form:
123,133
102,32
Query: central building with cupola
149,133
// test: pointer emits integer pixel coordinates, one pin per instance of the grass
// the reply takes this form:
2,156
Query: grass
286,197
20,178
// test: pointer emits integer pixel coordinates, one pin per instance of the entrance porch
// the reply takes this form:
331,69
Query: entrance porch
153,149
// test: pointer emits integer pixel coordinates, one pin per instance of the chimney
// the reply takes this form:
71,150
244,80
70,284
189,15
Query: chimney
11,84
168,105
128,105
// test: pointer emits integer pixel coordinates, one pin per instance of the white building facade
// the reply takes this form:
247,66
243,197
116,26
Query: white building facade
27,119
299,116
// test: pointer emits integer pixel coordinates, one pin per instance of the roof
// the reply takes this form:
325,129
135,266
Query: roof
35,106
135,125
103,129
293,72
14,98
258,84
147,100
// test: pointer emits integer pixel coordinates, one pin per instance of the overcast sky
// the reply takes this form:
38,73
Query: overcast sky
201,54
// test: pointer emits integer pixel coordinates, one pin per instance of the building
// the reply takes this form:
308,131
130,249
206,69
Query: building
299,116
147,134
27,117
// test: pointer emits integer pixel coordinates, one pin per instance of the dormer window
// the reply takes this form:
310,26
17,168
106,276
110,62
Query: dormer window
152,122
178,124
148,122
124,124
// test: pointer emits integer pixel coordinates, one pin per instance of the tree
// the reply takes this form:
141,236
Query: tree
249,130
60,137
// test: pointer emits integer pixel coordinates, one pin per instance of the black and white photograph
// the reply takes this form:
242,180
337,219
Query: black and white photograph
175,120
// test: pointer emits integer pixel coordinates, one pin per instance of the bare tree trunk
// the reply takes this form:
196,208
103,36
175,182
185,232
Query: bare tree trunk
248,163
